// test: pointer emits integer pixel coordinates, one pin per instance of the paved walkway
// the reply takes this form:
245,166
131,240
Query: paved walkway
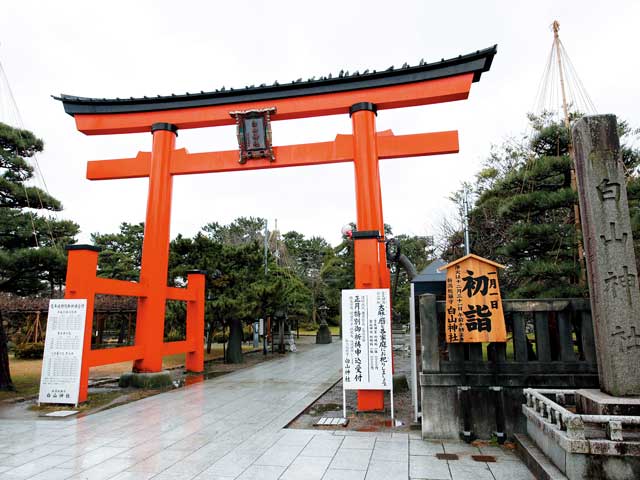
232,427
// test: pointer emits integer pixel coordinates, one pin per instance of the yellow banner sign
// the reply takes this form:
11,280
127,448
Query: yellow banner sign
474,306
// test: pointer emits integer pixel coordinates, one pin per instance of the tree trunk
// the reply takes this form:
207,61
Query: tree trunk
5,374
210,336
234,345
123,330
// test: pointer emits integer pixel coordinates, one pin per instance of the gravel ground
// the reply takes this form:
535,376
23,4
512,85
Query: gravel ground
330,405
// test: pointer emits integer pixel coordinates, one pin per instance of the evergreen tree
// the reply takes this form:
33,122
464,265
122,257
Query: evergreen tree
121,253
523,215
420,252
32,259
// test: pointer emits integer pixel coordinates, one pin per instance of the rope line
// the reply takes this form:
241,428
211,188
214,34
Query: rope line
37,170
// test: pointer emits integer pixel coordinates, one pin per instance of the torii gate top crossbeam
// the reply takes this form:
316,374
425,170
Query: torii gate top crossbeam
407,86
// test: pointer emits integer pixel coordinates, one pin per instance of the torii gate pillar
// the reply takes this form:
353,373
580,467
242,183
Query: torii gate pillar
155,249
369,248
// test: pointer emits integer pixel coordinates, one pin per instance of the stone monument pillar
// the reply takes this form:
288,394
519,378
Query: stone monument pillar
611,263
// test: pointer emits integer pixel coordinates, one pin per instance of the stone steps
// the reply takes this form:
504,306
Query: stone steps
538,463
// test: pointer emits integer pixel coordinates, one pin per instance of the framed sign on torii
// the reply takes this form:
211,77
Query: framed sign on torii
359,95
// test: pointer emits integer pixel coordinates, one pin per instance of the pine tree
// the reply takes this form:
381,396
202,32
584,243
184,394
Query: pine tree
523,215
32,259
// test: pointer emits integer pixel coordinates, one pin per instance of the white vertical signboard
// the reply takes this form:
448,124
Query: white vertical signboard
60,379
366,341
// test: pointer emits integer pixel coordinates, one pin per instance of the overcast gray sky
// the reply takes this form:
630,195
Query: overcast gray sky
126,48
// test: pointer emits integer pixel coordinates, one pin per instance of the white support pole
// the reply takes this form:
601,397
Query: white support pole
344,402
393,416
414,368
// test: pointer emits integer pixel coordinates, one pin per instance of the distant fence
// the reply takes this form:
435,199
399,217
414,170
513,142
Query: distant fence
476,390
25,319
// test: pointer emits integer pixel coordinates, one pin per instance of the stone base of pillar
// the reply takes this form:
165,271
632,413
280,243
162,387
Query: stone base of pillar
323,336
145,380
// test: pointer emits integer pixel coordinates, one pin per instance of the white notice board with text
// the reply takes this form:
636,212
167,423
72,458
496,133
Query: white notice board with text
62,361
366,340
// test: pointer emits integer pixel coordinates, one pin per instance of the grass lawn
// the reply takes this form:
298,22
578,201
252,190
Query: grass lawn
25,374
335,330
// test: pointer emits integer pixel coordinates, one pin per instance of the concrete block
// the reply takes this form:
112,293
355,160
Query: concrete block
440,413
597,402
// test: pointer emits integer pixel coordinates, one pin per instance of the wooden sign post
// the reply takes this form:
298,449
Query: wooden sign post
474,305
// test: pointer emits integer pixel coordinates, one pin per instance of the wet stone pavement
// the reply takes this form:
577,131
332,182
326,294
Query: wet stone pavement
233,427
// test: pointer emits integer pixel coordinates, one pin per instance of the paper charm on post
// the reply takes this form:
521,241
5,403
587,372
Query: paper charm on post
474,305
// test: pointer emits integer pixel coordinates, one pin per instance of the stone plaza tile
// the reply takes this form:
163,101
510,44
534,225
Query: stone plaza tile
359,442
92,458
231,465
510,471
295,438
187,469
355,433
501,453
389,456
54,474
351,459
127,475
168,476
204,476
209,455
158,462
332,474
391,446
105,470
428,467
28,443
460,447
140,452
197,433
306,468
467,459
280,455
262,472
30,455
385,470
460,471
191,443
322,446
425,447
77,449
34,467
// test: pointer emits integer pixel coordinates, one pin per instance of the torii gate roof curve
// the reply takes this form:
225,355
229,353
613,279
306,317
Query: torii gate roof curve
406,86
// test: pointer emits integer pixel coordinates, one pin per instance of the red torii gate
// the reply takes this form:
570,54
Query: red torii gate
360,95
